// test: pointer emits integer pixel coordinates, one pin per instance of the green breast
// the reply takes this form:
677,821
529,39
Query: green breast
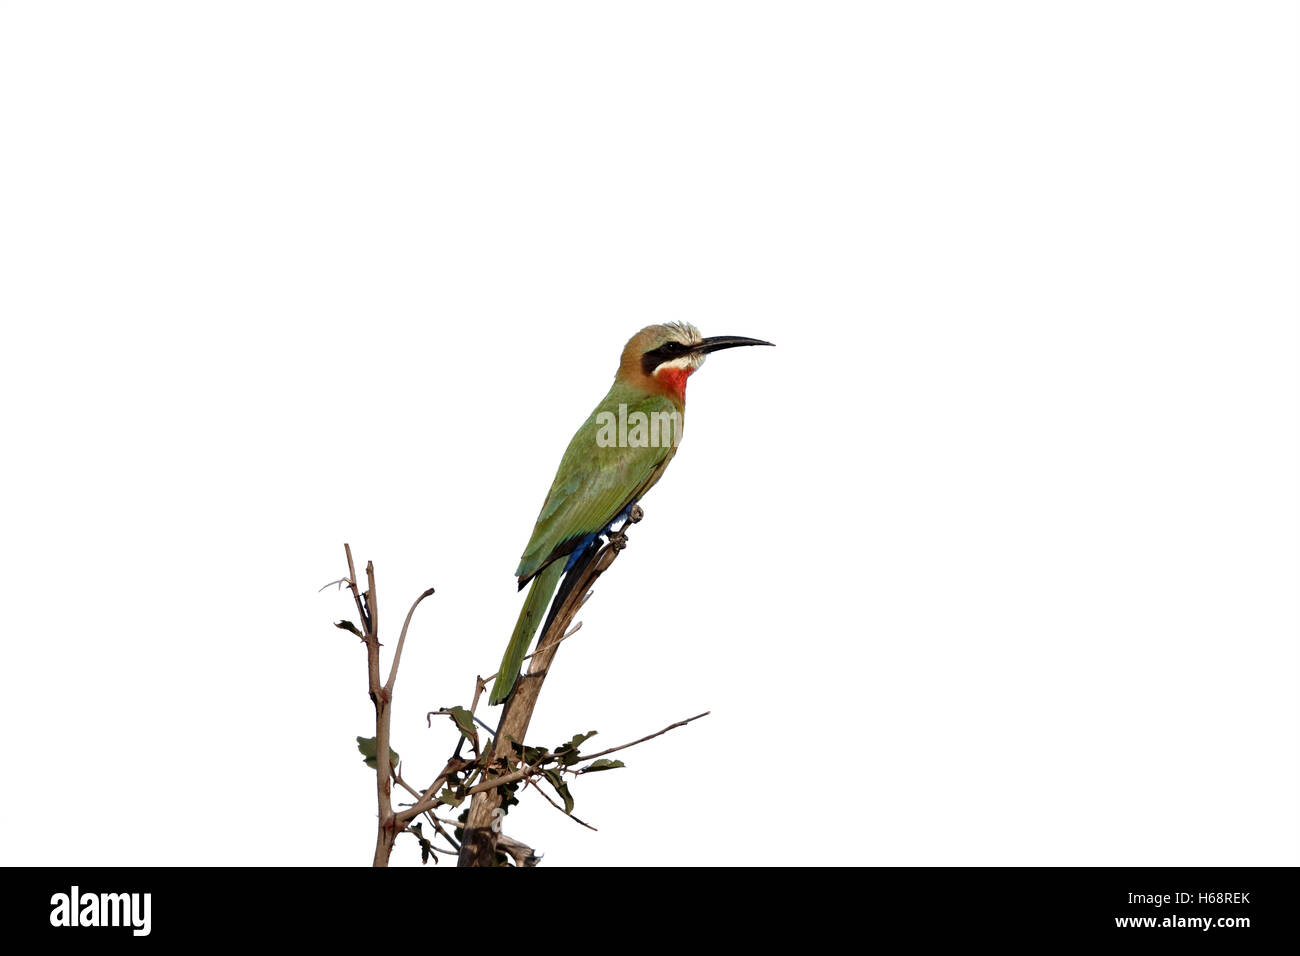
617,455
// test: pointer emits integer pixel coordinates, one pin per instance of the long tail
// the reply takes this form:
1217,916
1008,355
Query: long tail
539,596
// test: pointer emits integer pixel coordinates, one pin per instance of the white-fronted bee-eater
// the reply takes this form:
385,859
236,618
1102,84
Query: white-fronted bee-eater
613,460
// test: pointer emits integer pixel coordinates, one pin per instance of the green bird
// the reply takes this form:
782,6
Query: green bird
613,460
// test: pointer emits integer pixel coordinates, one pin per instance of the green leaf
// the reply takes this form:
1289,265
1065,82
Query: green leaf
575,742
464,721
450,798
508,798
568,753
603,764
369,747
426,848
349,626
561,788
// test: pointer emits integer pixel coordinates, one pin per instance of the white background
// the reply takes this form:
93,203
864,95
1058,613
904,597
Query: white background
993,560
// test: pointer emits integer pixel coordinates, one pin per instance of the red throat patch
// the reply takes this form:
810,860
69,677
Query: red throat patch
674,380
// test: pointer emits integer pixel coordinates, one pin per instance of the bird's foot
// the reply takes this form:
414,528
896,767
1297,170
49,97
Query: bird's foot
634,514
618,539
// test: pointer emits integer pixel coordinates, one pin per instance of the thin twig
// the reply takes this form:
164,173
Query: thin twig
680,723
397,654
428,800
520,774
573,630
352,586
536,785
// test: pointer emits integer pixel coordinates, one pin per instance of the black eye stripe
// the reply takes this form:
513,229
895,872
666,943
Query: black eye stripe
669,350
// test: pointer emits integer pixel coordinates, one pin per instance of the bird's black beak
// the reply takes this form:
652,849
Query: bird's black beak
716,343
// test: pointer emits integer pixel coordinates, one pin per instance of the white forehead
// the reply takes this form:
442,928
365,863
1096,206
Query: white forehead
683,332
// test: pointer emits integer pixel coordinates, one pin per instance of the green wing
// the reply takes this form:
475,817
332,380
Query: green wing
594,483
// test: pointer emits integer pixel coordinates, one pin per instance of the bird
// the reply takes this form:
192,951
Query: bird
614,458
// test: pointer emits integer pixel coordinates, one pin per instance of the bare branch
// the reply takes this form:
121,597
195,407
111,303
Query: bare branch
352,586
428,800
482,779
397,654
660,733
372,598
390,824
573,630
479,846
514,777
536,785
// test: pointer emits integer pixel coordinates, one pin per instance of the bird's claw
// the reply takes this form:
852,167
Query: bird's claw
635,514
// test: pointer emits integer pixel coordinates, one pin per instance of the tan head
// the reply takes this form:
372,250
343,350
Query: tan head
660,358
